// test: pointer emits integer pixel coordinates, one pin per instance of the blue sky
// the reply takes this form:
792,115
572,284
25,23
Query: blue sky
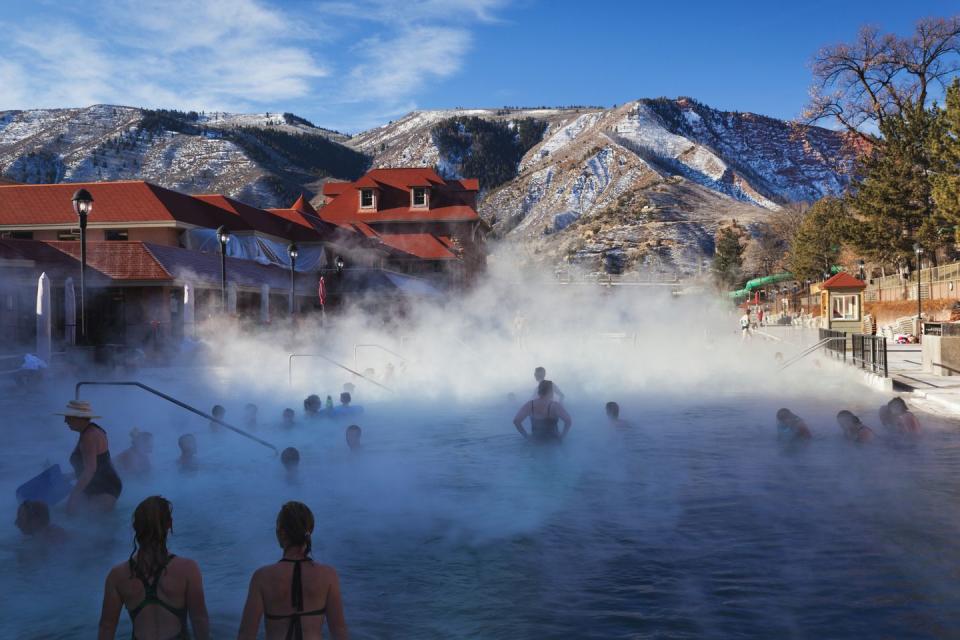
353,64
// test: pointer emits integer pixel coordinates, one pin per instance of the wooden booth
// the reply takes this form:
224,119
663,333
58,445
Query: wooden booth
841,303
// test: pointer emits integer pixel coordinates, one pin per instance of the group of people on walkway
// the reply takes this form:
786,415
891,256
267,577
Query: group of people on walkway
897,419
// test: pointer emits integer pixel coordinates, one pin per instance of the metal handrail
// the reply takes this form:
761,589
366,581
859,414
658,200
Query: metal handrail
795,359
356,347
331,361
179,403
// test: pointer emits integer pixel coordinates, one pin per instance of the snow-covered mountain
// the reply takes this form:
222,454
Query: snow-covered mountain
254,157
646,183
643,183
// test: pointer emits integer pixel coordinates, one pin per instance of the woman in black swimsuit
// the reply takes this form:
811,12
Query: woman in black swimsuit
296,593
160,590
545,414
98,485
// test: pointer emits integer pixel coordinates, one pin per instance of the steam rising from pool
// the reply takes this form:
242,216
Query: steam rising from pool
691,524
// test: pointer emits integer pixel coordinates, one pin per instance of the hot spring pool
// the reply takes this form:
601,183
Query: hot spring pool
692,524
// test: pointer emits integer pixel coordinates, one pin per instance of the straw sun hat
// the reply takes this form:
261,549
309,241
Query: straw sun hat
78,409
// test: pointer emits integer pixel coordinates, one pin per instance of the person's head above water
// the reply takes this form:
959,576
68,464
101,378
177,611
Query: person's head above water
218,412
897,407
846,419
250,411
353,437
290,458
613,410
295,526
288,416
142,441
785,415
152,522
32,516
545,389
188,445
345,398
312,404
539,374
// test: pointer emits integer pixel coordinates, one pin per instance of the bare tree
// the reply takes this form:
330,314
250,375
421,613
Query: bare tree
861,83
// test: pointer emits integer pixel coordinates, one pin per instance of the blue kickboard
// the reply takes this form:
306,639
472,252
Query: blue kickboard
50,487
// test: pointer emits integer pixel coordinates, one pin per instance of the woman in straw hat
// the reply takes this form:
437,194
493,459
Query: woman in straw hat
98,485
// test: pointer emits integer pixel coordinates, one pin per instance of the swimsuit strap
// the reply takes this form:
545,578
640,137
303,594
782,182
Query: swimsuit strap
295,630
150,589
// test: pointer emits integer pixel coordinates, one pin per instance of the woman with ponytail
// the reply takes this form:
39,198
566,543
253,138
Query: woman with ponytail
296,593
160,590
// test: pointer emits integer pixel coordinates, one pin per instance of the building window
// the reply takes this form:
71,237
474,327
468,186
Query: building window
17,235
366,199
72,234
845,307
116,234
419,196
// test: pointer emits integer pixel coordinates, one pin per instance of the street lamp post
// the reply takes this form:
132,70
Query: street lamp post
918,250
223,237
293,253
82,206
339,264
863,271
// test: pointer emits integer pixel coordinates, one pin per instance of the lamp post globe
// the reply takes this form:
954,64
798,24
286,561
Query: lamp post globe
339,264
83,206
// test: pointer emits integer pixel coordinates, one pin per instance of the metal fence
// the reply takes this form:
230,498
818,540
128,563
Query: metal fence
870,352
836,344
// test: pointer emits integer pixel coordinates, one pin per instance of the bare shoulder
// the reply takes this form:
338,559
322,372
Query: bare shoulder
119,571
328,572
184,566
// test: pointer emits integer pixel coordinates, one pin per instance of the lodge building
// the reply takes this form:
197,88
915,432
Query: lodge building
392,234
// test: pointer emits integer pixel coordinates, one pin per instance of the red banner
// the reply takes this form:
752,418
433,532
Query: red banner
322,291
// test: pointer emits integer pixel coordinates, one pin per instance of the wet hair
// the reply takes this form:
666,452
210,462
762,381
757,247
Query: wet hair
140,436
886,417
295,524
847,415
290,457
288,413
312,402
354,428
613,410
217,410
545,388
152,522
33,516
539,371
784,414
345,397
184,439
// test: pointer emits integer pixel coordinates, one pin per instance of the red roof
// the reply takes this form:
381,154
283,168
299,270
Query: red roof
843,280
450,200
421,245
118,260
302,204
113,202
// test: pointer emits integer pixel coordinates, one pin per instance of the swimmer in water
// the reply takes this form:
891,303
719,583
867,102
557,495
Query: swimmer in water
290,458
540,374
906,421
33,519
613,415
853,429
312,406
98,485
887,419
353,438
345,400
161,591
790,427
250,416
135,461
217,412
288,419
544,413
296,594
188,452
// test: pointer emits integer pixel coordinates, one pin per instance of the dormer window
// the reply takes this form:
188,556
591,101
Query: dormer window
367,199
418,197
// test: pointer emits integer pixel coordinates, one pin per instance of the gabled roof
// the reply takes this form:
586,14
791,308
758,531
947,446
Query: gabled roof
843,280
420,245
113,202
303,205
254,218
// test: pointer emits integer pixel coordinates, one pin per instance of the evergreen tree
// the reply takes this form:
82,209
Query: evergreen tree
728,258
892,191
945,148
816,246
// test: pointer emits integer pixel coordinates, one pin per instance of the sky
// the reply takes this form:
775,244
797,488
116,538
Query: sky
352,65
